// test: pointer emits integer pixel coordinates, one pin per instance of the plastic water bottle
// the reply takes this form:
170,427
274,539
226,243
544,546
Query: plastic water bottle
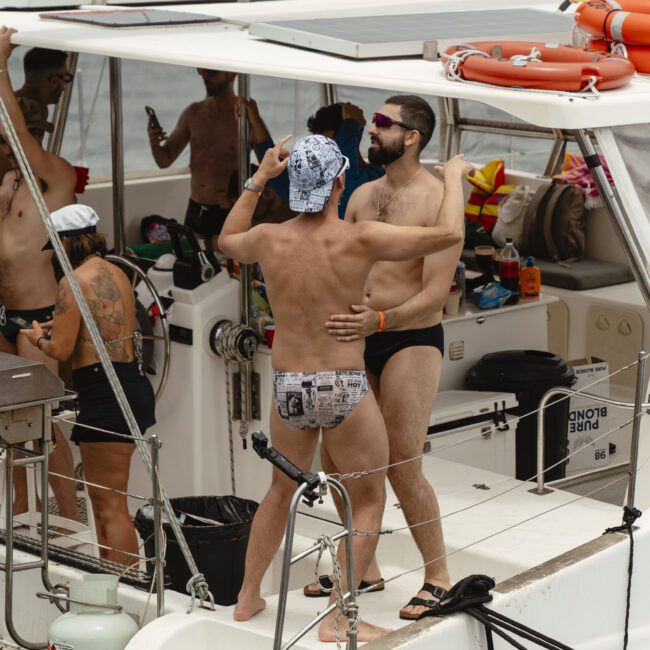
509,270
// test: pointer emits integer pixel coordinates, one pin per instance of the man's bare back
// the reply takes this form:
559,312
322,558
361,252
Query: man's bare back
313,267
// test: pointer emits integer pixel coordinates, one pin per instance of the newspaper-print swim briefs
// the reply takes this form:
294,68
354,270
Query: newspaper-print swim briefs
308,400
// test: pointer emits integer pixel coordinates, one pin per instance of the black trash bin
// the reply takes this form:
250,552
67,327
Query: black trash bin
529,374
219,549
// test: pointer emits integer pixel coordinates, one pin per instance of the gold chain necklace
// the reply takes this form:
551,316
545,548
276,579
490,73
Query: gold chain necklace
380,207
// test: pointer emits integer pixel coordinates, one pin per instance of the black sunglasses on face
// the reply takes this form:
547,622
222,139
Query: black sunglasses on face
382,121
66,77
210,73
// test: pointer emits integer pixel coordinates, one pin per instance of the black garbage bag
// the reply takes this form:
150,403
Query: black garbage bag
216,529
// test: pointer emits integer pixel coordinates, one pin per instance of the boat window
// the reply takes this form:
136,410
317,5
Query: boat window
285,105
632,141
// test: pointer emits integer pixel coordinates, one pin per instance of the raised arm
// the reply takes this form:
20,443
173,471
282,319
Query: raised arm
394,243
64,330
166,150
45,165
237,239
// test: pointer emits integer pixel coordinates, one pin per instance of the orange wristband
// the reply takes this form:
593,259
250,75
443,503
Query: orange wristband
382,321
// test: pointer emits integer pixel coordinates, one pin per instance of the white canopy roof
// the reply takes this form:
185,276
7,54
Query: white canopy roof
228,46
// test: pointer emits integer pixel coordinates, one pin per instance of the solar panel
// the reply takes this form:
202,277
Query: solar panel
130,17
404,35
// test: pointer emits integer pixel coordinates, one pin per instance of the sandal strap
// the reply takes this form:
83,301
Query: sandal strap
435,590
431,605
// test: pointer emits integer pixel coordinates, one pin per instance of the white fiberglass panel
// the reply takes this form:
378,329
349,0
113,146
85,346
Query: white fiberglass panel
634,142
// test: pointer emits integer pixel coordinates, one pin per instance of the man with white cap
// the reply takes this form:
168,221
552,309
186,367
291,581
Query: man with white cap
314,265
106,457
27,283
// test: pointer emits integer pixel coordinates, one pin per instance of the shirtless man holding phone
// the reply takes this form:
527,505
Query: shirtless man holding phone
210,127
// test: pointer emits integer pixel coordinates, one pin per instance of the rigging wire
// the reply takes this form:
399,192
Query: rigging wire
487,537
494,496
362,473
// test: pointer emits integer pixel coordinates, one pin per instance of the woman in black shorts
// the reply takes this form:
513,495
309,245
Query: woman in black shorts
106,458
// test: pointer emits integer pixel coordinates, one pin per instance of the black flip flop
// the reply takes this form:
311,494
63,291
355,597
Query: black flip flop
437,592
326,586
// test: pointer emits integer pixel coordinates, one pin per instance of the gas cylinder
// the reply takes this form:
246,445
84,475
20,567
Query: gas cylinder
95,624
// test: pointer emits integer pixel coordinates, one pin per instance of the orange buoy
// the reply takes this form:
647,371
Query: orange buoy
638,54
544,66
626,21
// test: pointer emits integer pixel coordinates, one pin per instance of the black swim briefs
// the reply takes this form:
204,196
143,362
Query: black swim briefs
205,218
99,408
10,330
381,346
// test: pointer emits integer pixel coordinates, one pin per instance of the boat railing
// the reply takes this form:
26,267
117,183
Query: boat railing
638,406
16,455
313,487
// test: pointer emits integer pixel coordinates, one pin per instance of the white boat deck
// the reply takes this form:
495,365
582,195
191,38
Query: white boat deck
570,521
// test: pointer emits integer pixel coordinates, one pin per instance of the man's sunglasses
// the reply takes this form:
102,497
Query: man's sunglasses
66,77
382,121
210,73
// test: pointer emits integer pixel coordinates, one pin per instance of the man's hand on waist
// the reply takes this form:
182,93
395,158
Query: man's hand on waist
353,327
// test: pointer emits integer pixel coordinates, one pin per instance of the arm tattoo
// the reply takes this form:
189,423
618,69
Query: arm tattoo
62,299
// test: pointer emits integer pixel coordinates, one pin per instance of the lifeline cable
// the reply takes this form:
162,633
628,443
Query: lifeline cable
518,485
368,472
495,534
102,355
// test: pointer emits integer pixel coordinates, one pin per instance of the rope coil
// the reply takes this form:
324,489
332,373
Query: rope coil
346,607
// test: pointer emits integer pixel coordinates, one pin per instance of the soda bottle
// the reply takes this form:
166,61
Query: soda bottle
509,270
530,281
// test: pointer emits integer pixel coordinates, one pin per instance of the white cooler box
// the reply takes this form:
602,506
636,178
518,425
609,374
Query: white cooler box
477,425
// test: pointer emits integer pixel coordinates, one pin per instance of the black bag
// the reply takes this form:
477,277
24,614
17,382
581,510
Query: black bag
554,225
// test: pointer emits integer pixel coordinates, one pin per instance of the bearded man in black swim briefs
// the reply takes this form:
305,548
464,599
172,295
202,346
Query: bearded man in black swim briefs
401,316
319,382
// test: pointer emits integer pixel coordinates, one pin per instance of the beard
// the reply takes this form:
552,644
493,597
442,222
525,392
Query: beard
216,90
384,155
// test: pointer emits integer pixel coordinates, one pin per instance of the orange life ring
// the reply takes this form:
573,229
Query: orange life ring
638,54
558,67
627,21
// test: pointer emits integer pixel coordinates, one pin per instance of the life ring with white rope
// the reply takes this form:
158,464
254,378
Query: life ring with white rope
638,54
625,21
543,66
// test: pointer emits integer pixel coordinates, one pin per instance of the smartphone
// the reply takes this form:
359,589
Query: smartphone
21,322
154,118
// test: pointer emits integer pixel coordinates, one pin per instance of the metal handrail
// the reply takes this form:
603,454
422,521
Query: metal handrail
288,561
540,489
9,568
